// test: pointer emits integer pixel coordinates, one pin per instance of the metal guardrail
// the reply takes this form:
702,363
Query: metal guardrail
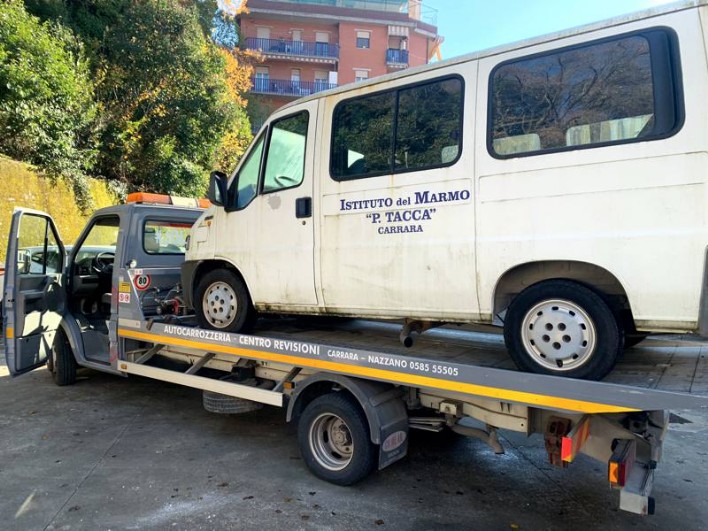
287,87
294,48
414,8
398,57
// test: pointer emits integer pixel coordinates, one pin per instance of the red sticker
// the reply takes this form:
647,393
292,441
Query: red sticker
142,282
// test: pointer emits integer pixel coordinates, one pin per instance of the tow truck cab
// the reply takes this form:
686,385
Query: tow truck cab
56,298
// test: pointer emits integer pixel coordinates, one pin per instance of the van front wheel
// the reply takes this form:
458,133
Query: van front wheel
222,302
562,328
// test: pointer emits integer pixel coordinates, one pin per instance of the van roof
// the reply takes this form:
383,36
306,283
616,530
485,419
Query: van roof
578,30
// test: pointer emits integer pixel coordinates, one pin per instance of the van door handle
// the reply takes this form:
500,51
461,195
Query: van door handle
303,207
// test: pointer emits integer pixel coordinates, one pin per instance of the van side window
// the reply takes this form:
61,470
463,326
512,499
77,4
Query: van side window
611,91
285,161
247,179
412,128
363,136
428,131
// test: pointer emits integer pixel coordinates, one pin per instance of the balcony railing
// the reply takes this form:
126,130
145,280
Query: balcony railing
396,57
294,48
286,87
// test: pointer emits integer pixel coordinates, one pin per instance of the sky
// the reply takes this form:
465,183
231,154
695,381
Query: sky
472,25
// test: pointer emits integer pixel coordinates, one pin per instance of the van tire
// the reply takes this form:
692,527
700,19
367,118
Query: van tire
630,340
563,328
63,364
342,462
222,302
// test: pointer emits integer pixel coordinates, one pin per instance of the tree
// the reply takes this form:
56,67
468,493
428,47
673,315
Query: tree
47,110
239,70
170,99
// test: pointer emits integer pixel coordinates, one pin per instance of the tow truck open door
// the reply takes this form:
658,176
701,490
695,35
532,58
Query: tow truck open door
34,293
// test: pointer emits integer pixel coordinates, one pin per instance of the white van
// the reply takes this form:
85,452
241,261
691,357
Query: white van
556,187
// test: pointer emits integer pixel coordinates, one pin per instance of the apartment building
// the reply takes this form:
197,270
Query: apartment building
313,45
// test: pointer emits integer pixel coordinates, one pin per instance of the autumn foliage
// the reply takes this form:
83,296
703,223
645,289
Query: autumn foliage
132,91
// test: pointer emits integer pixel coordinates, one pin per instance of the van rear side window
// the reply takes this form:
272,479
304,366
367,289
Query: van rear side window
413,128
611,91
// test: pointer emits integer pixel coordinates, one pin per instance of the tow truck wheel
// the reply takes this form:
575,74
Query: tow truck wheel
222,302
63,364
563,328
334,440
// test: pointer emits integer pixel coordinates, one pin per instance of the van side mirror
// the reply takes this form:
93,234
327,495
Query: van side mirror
217,188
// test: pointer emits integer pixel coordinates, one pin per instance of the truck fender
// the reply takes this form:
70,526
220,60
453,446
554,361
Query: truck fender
72,332
382,404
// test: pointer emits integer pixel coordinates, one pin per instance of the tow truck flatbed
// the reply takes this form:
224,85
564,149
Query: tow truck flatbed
665,376
352,387
671,363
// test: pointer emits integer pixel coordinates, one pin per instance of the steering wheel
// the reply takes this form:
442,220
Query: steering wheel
102,263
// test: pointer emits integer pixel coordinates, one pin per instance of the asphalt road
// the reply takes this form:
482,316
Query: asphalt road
116,453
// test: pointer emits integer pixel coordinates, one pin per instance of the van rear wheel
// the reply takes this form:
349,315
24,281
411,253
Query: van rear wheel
222,302
563,328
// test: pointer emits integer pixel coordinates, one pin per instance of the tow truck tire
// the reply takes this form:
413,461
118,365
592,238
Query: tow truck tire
334,440
563,328
63,364
222,302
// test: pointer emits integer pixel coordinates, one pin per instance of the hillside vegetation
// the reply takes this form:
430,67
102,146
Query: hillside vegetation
138,92
22,186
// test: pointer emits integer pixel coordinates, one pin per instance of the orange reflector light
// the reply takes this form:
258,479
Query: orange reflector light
572,443
161,199
613,474
622,461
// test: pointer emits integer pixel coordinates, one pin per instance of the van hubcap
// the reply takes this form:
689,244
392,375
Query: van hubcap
558,335
219,304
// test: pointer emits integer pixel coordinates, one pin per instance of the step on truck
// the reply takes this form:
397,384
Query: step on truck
112,302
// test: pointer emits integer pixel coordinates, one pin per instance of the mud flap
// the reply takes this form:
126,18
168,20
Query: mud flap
393,429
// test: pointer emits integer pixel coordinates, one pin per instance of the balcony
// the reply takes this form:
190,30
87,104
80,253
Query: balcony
412,9
396,58
320,52
287,87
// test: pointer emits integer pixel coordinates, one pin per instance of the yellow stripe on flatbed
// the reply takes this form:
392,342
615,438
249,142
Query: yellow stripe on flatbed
522,397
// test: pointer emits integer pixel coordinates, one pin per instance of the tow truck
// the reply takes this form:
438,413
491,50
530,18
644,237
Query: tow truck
114,305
